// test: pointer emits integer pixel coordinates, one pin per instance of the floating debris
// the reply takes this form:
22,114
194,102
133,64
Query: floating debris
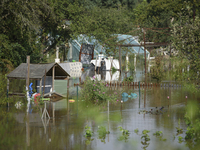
155,111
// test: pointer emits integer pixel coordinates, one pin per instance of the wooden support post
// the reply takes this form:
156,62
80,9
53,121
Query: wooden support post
53,76
8,82
44,82
40,86
120,60
53,113
27,77
28,71
7,90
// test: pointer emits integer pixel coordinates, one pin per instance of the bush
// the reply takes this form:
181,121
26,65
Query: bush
96,92
3,96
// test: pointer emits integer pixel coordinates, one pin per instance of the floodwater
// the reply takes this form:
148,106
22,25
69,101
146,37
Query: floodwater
23,128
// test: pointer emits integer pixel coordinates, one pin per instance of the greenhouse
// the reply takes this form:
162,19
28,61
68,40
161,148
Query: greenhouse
75,46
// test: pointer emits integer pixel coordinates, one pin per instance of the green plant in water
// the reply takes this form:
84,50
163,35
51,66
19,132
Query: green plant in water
145,131
123,137
192,120
97,92
180,139
124,131
88,140
88,131
158,133
179,130
128,79
113,69
136,130
145,136
125,134
102,133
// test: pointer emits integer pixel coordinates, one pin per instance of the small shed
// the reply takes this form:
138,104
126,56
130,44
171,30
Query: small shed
39,72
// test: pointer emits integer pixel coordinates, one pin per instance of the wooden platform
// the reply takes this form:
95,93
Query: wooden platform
54,96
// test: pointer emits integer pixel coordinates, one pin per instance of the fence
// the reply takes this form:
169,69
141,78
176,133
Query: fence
143,84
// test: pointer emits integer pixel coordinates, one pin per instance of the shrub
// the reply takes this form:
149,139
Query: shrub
97,92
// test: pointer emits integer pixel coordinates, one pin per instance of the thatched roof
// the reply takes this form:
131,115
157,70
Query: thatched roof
37,71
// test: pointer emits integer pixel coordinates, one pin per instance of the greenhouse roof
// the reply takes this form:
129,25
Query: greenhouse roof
131,40
127,39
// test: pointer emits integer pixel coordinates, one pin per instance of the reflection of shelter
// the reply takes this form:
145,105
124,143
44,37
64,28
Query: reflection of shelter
43,73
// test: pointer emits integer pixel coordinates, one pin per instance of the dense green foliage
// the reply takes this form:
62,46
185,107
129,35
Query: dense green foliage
192,120
96,92
36,27
3,96
186,39
157,71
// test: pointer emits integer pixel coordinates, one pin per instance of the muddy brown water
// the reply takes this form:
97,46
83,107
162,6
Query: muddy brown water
22,130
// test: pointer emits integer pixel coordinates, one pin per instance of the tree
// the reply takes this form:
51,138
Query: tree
20,23
186,39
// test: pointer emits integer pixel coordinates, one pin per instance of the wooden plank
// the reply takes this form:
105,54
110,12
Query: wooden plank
28,71
53,76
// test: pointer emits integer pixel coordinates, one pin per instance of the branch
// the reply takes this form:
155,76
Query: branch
51,46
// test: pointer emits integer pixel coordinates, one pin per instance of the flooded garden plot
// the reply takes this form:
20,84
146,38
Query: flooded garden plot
117,115
149,121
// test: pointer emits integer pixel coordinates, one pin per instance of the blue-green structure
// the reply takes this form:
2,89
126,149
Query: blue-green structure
75,45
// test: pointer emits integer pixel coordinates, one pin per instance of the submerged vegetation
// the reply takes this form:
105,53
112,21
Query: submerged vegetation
102,133
97,92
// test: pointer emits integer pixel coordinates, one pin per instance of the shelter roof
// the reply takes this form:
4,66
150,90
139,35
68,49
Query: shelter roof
37,71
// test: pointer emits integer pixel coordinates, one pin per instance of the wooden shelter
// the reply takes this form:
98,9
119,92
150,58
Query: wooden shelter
38,72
